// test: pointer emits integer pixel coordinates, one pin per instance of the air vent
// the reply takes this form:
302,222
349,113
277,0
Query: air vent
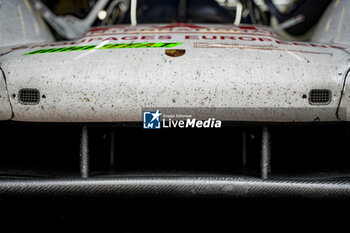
320,97
28,96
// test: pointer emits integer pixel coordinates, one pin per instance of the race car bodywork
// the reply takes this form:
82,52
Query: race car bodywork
111,73
244,75
5,110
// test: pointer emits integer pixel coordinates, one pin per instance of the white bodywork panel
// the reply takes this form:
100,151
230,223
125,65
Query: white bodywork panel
21,24
334,27
247,70
5,108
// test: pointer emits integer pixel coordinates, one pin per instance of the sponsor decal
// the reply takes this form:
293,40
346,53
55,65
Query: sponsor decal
192,123
151,119
175,52
172,32
107,46
253,47
84,43
181,28
157,120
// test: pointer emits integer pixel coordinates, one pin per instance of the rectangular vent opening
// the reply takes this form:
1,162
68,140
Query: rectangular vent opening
320,97
29,96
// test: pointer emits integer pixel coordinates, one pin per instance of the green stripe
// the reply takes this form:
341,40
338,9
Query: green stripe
107,46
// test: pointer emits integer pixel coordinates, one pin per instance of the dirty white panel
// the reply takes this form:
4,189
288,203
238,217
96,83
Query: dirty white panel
254,75
344,106
5,108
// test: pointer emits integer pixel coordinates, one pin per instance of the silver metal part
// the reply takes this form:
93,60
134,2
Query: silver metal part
70,26
266,153
111,16
290,22
84,153
133,12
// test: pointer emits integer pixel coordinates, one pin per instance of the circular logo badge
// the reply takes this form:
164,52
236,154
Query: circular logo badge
175,52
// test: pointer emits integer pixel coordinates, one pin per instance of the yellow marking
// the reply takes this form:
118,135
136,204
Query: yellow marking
336,4
28,6
339,31
22,21
36,26
328,24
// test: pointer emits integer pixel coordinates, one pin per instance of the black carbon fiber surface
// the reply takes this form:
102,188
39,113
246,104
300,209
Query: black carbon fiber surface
219,187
